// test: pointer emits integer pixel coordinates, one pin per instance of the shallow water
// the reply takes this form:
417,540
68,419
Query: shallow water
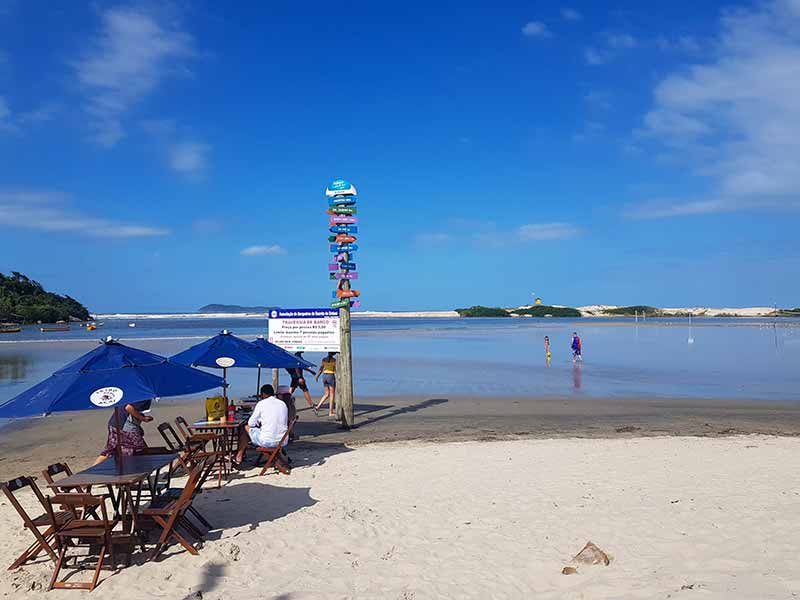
729,358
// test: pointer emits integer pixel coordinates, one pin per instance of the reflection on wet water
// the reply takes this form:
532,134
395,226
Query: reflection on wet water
14,368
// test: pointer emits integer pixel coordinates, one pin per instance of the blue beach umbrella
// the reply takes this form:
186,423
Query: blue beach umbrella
102,378
225,350
106,376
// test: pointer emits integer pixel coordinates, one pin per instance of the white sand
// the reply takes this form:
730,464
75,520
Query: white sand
716,517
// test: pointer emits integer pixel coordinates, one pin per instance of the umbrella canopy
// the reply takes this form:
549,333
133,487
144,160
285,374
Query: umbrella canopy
281,356
225,350
107,375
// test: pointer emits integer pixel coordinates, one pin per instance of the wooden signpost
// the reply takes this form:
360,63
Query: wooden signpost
342,198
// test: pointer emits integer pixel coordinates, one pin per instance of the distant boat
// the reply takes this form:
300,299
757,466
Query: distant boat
131,324
56,327
10,328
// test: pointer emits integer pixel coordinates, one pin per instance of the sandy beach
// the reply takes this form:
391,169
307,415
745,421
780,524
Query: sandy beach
28,445
681,517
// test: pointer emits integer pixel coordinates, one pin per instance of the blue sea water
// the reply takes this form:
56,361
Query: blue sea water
754,359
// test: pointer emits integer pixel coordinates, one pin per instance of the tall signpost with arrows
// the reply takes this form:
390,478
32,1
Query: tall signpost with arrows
342,210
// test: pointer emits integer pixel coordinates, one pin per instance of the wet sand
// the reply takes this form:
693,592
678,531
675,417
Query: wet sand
28,446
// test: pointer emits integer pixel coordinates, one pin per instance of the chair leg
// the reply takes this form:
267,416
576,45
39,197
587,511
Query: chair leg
186,545
57,569
99,566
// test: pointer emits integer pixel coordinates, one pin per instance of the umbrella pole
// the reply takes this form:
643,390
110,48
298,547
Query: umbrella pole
119,456
258,383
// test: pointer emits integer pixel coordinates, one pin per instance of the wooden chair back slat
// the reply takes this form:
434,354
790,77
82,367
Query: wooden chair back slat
171,438
183,427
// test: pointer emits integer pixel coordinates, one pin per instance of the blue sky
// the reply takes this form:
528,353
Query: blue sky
159,157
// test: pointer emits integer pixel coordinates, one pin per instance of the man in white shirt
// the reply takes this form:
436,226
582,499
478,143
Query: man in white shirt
266,426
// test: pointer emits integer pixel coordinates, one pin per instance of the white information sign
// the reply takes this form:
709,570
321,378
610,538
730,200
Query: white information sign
305,329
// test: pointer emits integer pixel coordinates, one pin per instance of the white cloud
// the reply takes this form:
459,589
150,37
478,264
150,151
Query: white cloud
189,158
598,100
186,157
736,118
15,122
591,129
272,250
570,14
536,29
660,209
621,41
133,53
547,231
595,56
684,43
48,211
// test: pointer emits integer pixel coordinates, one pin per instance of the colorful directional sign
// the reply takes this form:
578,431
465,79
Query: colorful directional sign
340,187
343,210
344,229
343,220
342,201
343,248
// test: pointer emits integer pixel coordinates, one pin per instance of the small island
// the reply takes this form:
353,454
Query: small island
540,310
23,300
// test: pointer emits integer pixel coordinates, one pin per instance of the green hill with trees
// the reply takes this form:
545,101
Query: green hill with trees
23,300
531,311
482,311
547,311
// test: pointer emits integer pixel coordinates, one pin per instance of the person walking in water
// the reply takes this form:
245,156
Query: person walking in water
576,347
328,372
547,347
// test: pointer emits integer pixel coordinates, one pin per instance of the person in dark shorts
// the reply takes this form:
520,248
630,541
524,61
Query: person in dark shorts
298,381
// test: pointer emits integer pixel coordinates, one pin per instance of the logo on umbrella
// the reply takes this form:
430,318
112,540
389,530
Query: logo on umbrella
108,396
225,362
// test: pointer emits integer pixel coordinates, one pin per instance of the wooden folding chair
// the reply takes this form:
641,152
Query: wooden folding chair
196,438
187,455
34,525
271,454
57,469
84,533
174,493
173,514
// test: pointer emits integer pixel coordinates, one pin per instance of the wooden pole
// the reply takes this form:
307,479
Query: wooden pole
119,456
276,379
344,372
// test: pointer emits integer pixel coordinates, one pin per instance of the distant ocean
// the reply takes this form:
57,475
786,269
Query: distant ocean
435,357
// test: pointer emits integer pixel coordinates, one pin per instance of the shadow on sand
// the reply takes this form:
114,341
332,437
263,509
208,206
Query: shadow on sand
250,504
313,428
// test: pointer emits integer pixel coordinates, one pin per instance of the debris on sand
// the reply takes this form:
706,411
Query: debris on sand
591,555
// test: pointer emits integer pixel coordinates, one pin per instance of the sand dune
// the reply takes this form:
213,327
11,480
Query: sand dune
681,517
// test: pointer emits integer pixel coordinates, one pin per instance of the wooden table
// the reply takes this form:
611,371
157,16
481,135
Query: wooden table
229,432
135,470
